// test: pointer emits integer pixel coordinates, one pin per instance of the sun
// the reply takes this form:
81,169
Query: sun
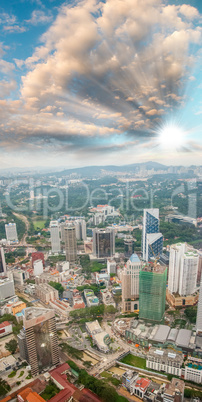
171,136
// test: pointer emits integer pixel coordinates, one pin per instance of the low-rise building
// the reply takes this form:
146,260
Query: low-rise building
111,266
139,387
100,338
165,360
174,391
46,293
128,378
5,328
91,299
107,298
6,364
193,370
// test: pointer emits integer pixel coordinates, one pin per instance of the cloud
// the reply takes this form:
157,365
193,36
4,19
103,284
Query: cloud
39,17
102,70
14,28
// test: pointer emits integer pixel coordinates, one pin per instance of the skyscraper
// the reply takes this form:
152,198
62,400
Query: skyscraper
55,236
130,283
129,245
152,292
11,232
103,243
152,239
70,243
2,262
80,226
41,338
183,270
199,312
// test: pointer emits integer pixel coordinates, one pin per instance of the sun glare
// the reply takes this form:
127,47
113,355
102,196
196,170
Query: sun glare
171,136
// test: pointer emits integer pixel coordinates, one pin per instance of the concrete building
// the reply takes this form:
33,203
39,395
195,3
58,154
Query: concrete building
152,292
130,284
165,360
111,266
55,236
11,232
7,364
80,227
5,328
38,255
21,337
193,370
7,289
46,293
152,239
103,243
19,277
183,270
129,246
100,338
174,391
70,244
38,267
199,312
128,378
91,299
41,338
2,262
107,298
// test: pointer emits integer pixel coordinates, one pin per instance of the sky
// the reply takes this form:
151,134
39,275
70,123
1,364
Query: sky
100,82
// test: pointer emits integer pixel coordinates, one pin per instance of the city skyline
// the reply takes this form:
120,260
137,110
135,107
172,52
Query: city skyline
84,82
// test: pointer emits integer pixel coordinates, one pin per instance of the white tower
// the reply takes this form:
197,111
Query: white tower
55,236
199,311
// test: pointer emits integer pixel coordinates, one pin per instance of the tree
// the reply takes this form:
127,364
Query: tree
11,346
4,387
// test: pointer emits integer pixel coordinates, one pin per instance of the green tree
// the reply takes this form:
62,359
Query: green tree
11,346
4,387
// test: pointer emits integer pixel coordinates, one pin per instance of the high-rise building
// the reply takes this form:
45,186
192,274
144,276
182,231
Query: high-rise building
70,243
80,226
199,312
11,232
103,243
152,239
152,292
41,338
130,283
55,236
38,255
2,262
129,245
183,270
38,267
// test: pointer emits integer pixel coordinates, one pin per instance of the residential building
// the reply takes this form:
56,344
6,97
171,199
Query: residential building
152,292
130,284
152,239
11,232
41,338
70,244
199,311
103,243
183,270
2,262
174,391
55,236
166,360
6,289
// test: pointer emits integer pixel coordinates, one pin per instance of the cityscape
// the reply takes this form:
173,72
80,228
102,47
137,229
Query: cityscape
100,201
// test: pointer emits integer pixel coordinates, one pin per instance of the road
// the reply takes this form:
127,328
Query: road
25,220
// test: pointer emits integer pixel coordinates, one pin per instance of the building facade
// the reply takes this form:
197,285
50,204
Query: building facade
11,232
70,243
103,243
55,236
130,283
41,338
152,239
2,262
152,292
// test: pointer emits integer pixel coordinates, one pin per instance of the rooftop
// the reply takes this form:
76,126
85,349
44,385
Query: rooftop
134,258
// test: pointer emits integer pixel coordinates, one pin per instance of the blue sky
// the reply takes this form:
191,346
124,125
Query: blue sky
100,82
